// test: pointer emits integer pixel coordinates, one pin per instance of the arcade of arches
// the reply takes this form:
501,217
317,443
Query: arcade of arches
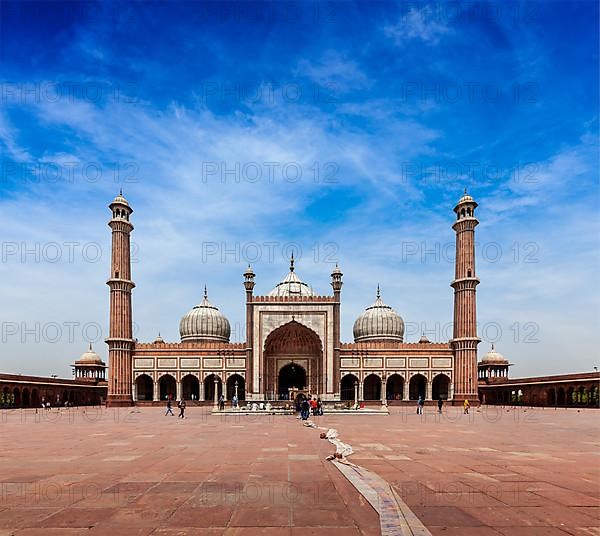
580,390
17,391
394,388
189,388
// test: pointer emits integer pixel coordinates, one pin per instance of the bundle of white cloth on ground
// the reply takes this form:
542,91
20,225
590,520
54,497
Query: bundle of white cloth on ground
340,447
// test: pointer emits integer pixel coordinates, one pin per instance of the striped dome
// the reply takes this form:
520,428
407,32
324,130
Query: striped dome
379,322
204,323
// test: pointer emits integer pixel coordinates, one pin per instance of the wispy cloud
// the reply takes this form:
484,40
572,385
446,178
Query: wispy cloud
417,24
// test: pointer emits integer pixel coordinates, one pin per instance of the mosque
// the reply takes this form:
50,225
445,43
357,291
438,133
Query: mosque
293,344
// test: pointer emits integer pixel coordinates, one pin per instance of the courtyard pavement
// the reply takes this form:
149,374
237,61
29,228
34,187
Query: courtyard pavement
498,471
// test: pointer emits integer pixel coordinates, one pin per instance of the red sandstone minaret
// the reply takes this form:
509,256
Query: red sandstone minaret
465,338
249,286
336,284
120,340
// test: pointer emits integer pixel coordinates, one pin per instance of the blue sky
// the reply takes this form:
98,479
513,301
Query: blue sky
388,110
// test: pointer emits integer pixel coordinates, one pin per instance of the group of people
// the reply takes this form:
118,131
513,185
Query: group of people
440,405
180,404
312,405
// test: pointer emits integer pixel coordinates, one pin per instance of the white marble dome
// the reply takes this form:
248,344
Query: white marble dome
379,322
494,357
204,323
90,357
292,285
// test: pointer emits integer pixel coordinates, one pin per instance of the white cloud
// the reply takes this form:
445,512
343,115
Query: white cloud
417,25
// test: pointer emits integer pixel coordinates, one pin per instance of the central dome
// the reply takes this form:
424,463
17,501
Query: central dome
292,285
204,323
379,322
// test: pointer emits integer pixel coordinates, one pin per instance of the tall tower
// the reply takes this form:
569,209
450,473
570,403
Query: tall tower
465,338
120,339
249,286
336,284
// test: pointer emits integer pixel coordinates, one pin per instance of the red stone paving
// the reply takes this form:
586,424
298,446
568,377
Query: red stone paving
495,472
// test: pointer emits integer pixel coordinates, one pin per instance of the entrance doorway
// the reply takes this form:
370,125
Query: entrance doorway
291,375
298,346
416,387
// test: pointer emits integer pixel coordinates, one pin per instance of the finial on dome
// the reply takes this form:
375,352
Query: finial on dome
292,262
492,347
120,191
378,292
90,346
465,190
205,293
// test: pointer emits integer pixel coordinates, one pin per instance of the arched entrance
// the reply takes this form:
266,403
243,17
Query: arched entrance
293,356
35,398
190,387
394,387
440,387
416,387
144,387
347,387
26,403
209,387
167,387
550,397
241,387
290,376
372,387
17,395
560,397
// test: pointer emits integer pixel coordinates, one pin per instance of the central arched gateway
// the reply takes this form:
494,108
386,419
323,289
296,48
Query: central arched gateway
293,355
290,376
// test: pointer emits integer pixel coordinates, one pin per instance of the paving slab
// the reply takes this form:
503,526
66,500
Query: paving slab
514,471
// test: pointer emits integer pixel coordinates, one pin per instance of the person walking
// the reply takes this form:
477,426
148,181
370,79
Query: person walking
420,404
221,402
466,406
304,409
440,404
313,407
319,406
234,402
169,408
181,405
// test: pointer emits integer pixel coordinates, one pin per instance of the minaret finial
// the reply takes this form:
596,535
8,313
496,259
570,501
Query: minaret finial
205,293
90,346
492,347
120,191
378,292
292,263
465,190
